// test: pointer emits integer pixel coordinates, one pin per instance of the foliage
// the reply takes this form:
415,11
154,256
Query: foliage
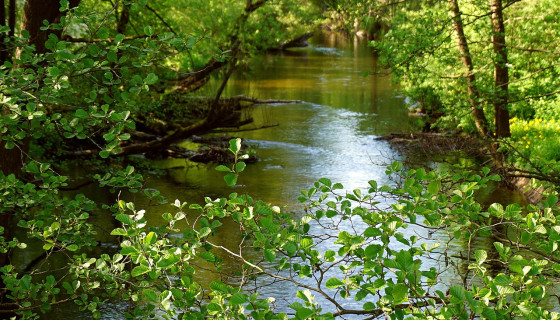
423,248
426,60
355,15
372,246
537,141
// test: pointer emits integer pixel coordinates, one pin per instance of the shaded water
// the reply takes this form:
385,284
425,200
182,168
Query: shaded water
331,134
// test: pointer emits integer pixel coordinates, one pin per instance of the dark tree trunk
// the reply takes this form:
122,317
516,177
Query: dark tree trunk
501,73
12,17
11,161
4,51
474,96
34,13
123,19
5,218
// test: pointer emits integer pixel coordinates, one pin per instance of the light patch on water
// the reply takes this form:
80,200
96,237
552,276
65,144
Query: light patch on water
328,51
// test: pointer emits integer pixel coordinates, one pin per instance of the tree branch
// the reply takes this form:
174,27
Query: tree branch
161,19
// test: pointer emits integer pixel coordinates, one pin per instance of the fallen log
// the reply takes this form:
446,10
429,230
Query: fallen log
227,115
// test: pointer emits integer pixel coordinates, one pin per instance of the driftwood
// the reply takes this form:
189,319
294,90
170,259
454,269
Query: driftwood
227,114
299,42
432,144
198,78
257,101
213,149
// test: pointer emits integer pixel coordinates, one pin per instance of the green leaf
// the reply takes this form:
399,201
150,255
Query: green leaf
128,250
502,280
73,247
399,292
53,71
168,262
118,232
489,314
457,292
109,136
151,238
290,248
32,167
218,286
119,37
150,295
81,113
372,232
405,260
235,145
333,283
104,154
103,33
139,270
151,79
304,313
368,306
372,250
505,290
112,56
55,226
204,232
240,167
326,182
230,179
480,256
149,30
223,168
238,298
434,186
269,255
305,295
125,219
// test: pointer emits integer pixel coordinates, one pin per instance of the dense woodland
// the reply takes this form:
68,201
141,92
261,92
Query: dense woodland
92,82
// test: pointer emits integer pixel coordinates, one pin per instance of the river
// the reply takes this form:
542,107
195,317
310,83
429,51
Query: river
331,134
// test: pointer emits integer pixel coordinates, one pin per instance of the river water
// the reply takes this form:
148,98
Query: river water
331,134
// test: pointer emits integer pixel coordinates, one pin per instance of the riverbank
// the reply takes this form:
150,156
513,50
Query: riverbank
435,146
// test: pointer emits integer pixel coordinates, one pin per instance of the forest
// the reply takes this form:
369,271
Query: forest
105,102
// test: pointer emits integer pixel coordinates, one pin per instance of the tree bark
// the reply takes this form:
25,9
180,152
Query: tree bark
501,72
7,19
474,96
11,161
34,13
3,47
12,18
123,19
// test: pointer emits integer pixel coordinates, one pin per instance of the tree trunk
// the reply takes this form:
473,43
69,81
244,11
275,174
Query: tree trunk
123,18
501,73
7,19
474,96
34,13
11,161
3,46
12,18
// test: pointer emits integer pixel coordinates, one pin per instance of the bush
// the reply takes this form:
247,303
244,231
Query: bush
537,141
